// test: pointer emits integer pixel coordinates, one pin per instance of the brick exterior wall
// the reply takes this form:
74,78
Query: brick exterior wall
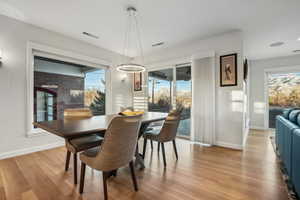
69,89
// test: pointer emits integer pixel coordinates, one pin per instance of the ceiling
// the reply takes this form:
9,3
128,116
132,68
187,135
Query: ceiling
171,21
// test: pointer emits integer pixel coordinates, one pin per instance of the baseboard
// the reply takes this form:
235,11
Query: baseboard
229,145
201,144
31,150
258,128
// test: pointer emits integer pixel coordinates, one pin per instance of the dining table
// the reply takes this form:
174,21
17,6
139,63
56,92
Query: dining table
79,127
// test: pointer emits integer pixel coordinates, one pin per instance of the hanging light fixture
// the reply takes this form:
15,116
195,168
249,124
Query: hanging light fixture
131,67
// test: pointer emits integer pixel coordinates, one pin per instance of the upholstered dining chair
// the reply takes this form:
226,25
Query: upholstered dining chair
81,143
167,133
117,150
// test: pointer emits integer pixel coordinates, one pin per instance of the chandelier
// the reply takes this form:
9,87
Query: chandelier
131,67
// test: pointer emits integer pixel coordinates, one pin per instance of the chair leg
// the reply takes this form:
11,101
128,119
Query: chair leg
104,176
145,146
68,160
164,154
133,176
75,168
175,149
151,144
158,146
82,175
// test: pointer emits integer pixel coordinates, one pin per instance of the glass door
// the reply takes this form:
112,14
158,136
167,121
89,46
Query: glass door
160,90
184,99
169,89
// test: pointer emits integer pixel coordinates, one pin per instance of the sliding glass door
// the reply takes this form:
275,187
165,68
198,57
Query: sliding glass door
184,99
160,90
170,89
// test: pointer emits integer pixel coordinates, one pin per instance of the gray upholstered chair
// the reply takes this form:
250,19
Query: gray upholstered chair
167,133
117,150
81,143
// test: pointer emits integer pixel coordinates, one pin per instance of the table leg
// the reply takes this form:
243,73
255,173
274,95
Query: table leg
139,157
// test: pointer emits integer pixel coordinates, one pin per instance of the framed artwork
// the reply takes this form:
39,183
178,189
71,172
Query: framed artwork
137,81
228,70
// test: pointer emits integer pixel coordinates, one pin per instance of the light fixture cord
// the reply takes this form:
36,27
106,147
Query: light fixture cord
139,38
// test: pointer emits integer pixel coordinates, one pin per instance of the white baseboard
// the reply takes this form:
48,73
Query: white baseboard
201,144
31,150
229,145
258,128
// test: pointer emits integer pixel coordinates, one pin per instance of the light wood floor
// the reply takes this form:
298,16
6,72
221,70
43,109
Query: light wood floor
200,173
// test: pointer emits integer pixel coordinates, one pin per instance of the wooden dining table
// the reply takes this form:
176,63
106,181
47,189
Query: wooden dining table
74,128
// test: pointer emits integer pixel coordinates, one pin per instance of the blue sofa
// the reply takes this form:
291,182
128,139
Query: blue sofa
287,139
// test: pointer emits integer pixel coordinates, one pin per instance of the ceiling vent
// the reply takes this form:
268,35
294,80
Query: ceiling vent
276,44
158,44
90,35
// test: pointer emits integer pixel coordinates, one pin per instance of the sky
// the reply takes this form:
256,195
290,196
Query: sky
93,80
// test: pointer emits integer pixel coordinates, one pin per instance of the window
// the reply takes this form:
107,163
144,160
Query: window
160,90
169,89
61,85
284,92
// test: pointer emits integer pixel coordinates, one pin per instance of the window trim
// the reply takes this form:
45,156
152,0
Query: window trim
35,49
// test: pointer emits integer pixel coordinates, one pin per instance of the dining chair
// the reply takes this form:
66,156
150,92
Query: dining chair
167,133
79,144
117,150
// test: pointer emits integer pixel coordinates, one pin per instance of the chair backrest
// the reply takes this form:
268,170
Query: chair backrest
77,113
119,144
169,129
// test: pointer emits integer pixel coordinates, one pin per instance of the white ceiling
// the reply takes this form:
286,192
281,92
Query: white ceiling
171,21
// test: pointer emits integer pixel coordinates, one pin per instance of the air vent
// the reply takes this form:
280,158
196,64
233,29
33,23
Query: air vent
158,44
296,51
276,44
90,35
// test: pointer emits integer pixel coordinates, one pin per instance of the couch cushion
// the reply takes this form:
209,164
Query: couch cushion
293,115
287,111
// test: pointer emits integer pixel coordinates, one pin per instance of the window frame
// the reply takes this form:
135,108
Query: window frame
35,49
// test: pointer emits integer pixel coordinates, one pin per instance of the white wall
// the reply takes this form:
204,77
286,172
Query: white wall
229,114
257,91
14,36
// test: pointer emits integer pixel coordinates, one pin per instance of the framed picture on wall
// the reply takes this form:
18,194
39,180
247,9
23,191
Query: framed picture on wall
228,70
137,81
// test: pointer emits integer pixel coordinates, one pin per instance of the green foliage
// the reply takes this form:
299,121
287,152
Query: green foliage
98,105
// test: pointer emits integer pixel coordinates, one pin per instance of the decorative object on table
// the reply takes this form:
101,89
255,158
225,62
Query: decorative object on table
131,113
132,66
228,70
137,81
245,69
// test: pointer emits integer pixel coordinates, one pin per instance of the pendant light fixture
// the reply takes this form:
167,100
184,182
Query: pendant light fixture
132,67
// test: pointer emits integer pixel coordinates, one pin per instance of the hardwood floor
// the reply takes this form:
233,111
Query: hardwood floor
200,173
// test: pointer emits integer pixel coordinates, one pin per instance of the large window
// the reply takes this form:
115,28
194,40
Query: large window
169,89
284,92
60,85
